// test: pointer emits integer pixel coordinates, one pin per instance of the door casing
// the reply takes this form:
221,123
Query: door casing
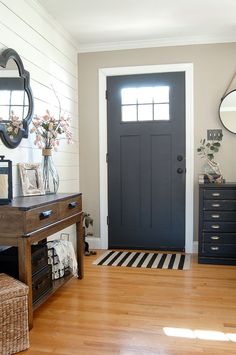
189,141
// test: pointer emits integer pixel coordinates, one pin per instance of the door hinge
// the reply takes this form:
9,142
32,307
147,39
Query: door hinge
107,220
107,158
106,95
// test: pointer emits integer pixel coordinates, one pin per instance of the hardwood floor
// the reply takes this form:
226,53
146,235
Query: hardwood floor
118,310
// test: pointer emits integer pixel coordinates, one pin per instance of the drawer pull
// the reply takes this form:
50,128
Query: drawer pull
215,205
45,214
215,194
215,226
214,248
215,237
72,204
215,216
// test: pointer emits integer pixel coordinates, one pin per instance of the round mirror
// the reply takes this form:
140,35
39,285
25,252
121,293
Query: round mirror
16,100
227,111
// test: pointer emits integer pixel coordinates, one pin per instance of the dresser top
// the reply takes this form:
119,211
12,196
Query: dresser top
25,203
217,185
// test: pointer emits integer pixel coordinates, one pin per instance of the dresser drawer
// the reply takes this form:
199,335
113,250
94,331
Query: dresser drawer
219,194
219,238
219,216
215,226
70,206
223,250
39,217
216,205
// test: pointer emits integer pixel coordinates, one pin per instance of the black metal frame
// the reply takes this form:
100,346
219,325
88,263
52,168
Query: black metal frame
5,55
6,201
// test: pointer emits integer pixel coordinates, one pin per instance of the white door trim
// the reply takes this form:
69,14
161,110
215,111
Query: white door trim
103,73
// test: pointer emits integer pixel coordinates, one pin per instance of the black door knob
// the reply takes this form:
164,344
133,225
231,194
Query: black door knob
179,157
180,171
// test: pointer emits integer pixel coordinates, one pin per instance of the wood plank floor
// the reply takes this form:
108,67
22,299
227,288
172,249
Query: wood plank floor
118,310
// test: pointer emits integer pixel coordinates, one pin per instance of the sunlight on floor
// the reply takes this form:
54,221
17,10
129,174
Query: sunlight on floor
199,334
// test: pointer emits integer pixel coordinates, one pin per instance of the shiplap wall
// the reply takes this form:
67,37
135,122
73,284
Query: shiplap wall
50,56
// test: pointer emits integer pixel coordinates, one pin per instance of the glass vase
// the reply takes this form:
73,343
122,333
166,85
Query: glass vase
50,175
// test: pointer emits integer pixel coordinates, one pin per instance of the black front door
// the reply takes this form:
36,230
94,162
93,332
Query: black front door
146,161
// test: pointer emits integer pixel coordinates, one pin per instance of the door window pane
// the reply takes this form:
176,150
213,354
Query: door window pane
147,103
161,94
128,96
161,112
145,113
129,113
145,95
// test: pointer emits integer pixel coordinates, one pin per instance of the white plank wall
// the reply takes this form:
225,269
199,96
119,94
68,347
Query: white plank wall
50,56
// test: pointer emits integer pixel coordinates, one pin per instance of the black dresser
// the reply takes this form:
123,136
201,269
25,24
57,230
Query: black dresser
217,224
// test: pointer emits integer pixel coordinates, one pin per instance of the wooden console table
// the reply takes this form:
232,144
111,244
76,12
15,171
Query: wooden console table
29,220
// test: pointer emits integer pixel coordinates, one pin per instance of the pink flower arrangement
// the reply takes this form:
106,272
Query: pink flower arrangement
48,129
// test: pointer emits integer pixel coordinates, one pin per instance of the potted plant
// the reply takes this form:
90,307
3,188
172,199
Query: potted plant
207,151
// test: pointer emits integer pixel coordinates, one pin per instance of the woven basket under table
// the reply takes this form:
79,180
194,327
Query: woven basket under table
14,333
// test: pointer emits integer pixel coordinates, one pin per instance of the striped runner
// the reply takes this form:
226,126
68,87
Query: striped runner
144,260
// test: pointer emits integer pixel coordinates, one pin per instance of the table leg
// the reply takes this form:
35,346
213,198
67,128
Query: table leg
25,272
80,248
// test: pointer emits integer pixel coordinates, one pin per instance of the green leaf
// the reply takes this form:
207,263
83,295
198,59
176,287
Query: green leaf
210,156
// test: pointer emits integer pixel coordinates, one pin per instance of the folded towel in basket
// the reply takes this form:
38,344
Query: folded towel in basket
65,257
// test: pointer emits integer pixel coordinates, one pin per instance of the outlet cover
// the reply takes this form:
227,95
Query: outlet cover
214,134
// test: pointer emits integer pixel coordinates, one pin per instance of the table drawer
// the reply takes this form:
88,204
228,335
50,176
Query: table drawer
215,226
70,206
223,250
218,194
40,217
216,205
219,238
220,216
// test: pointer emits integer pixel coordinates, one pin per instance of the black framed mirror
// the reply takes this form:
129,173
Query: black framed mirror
16,99
227,111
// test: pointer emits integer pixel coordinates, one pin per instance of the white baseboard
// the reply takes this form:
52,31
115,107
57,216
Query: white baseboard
94,242
195,247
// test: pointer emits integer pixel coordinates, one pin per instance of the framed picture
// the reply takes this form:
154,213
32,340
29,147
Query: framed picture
31,179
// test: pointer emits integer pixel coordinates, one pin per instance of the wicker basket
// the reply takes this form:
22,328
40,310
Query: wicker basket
14,333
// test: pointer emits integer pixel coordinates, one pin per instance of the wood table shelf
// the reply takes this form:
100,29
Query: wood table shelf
29,220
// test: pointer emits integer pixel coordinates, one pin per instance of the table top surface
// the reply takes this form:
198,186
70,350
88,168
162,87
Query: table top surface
27,202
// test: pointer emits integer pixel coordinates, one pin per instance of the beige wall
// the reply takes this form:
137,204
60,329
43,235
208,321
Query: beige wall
214,66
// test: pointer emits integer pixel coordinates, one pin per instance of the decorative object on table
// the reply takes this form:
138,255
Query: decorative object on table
5,181
147,260
47,129
207,151
16,96
61,256
31,179
87,222
13,315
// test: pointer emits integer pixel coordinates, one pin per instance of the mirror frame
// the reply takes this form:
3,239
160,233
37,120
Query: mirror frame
222,99
5,55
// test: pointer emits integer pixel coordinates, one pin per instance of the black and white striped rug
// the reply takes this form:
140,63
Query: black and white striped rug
144,260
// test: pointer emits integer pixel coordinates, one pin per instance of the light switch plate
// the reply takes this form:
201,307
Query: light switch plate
214,134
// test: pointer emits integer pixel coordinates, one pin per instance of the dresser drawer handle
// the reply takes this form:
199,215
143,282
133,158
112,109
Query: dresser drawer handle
215,226
215,216
215,237
215,205
214,248
215,194
45,214
72,204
